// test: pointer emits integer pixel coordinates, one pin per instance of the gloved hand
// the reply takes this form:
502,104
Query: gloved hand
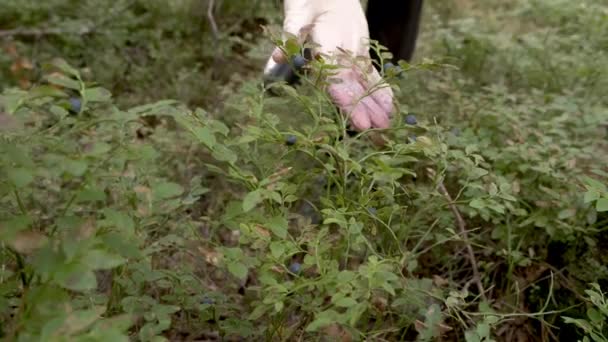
339,28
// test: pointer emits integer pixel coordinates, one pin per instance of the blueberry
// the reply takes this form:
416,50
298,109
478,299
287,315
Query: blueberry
295,267
75,105
410,119
290,140
390,66
279,72
299,61
351,133
412,137
372,210
207,300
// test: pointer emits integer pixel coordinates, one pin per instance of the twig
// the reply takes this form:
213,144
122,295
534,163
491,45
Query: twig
214,29
463,230
566,282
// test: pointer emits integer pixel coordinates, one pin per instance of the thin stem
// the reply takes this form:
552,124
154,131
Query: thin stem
463,230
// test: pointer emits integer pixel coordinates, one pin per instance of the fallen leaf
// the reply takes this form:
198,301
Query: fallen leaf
27,241
439,281
277,269
211,257
87,230
420,326
262,231
338,333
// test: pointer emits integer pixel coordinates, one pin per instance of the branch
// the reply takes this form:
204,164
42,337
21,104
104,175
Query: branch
214,29
463,230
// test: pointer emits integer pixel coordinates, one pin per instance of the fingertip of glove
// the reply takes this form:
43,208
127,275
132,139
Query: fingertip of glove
278,56
360,121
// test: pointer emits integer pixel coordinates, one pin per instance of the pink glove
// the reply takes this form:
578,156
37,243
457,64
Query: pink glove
340,26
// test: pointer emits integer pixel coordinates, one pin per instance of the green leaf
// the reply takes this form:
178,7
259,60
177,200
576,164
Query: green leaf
98,259
77,279
345,302
20,177
292,47
601,204
99,149
167,190
11,102
412,265
53,327
594,315
592,184
63,81
471,336
18,155
120,220
44,91
223,153
491,319
152,108
278,225
165,310
79,320
237,269
507,197
477,203
277,248
478,172
118,323
493,190
59,111
97,94
322,320
76,168
91,194
251,200
596,337
580,323
591,195
258,312
118,243
204,135
65,67
219,127
345,277
483,330
355,313
566,213
233,253
388,288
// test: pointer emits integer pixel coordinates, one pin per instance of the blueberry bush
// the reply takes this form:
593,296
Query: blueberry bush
153,188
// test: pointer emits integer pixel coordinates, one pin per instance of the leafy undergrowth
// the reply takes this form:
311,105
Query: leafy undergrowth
256,217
